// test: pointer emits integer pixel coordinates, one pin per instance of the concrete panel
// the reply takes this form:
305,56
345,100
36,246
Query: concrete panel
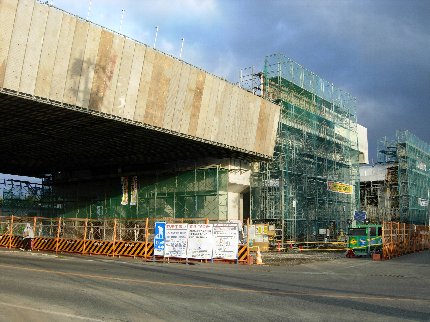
18,44
34,48
123,77
227,123
102,71
234,121
111,73
62,58
133,85
157,98
261,132
238,118
223,109
242,116
219,107
48,54
180,98
248,130
204,107
188,101
248,133
7,19
172,92
89,66
197,102
211,116
254,106
142,98
76,62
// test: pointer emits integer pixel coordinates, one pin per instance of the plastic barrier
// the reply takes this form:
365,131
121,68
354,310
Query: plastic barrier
109,237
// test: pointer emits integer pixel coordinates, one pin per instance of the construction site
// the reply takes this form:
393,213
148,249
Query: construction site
116,129
311,185
397,188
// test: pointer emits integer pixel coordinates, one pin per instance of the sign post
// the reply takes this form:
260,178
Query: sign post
159,238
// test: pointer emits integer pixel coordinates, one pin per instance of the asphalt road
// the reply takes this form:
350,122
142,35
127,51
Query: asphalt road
44,287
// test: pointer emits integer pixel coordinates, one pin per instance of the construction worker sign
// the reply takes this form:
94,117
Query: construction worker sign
159,232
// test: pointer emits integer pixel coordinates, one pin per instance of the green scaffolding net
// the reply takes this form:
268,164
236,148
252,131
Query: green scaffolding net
409,157
197,193
313,181
414,178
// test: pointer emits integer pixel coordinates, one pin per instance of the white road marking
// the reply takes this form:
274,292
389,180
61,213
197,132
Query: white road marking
49,312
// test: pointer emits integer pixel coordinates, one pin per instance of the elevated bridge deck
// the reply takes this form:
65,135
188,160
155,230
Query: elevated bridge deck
75,95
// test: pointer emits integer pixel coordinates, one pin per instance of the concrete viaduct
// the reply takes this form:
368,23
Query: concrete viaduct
74,95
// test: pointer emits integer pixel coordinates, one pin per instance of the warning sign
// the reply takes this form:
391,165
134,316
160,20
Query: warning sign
226,241
175,244
200,241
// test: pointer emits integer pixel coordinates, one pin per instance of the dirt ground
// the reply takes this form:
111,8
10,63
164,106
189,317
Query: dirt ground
291,258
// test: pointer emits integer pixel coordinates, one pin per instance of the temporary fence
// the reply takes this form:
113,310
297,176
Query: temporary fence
110,237
401,238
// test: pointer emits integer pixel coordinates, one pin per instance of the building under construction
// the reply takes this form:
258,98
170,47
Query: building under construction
118,129
397,188
311,184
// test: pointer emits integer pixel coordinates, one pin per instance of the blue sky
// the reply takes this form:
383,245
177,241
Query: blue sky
376,50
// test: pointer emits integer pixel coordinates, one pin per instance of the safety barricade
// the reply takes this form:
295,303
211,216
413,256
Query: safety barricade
70,246
107,237
400,238
10,241
134,249
99,247
4,240
46,244
243,254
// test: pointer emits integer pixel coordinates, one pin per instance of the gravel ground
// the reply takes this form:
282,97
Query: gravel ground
291,258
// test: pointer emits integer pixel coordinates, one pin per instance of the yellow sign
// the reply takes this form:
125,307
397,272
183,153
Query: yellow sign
353,241
339,187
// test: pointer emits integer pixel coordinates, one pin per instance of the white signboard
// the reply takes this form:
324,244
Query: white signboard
423,202
200,241
226,237
251,231
176,240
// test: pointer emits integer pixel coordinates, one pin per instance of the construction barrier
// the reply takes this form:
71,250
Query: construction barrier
400,238
243,254
108,237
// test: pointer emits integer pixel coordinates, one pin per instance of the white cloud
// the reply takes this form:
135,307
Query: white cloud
183,7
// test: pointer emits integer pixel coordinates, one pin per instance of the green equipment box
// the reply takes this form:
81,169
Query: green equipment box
363,240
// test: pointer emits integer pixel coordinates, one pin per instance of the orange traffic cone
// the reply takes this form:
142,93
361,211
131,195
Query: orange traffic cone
259,260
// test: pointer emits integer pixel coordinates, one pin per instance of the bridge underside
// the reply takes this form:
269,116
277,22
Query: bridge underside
39,138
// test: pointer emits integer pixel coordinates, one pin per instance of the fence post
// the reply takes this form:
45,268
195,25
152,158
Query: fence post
114,237
146,237
58,235
383,241
247,243
391,239
10,232
85,236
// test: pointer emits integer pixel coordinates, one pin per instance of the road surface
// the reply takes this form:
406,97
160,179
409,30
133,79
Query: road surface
46,287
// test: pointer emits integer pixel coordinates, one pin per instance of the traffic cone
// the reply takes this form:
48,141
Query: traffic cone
259,261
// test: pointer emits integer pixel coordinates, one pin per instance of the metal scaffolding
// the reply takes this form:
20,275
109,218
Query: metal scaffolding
405,192
25,198
312,184
196,193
